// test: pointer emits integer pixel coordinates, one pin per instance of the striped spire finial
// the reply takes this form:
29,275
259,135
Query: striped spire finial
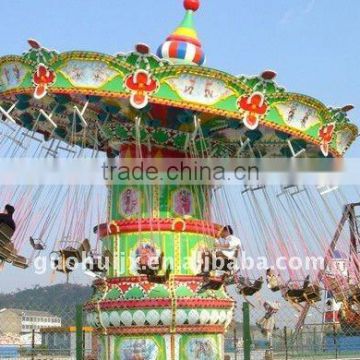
183,45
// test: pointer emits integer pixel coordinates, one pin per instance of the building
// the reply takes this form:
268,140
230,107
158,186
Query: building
23,322
62,341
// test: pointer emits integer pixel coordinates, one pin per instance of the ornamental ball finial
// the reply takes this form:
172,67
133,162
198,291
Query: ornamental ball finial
34,44
142,49
347,108
192,5
268,75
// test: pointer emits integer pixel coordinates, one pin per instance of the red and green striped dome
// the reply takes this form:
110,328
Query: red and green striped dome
183,45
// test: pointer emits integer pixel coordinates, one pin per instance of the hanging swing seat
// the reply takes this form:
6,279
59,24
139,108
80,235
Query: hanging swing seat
160,279
354,298
309,293
67,257
150,267
215,283
6,233
227,266
211,284
20,262
8,251
70,252
37,244
312,294
65,261
248,288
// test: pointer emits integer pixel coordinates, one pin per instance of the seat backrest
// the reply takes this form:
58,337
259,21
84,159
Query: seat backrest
20,262
6,231
85,246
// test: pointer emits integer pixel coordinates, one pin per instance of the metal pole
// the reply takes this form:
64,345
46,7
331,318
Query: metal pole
33,344
79,332
235,342
269,355
246,331
314,341
286,344
335,341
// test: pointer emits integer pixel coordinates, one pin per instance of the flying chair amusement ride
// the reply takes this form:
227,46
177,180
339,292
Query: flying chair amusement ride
166,106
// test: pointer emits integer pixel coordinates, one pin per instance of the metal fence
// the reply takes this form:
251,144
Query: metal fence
246,340
45,323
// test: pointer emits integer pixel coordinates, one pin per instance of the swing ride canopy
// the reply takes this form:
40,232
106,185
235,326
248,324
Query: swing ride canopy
104,102
91,99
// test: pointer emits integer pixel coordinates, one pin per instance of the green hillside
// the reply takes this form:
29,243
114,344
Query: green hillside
60,300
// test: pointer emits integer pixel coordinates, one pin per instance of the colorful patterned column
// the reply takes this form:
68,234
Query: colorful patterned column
142,320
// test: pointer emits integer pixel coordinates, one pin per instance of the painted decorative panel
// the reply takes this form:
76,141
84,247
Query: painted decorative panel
298,115
201,349
343,138
12,75
88,73
200,89
138,349
129,202
183,202
145,254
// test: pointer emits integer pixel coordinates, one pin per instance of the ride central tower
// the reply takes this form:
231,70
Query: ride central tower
160,314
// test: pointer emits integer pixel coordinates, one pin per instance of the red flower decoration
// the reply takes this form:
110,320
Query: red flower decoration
43,77
326,134
141,84
254,108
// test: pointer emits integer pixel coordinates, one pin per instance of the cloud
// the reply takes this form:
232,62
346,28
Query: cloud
296,13
287,17
309,7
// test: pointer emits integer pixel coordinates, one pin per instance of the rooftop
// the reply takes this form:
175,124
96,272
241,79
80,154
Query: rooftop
28,312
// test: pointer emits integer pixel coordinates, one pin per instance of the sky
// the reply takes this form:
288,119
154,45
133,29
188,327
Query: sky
312,44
